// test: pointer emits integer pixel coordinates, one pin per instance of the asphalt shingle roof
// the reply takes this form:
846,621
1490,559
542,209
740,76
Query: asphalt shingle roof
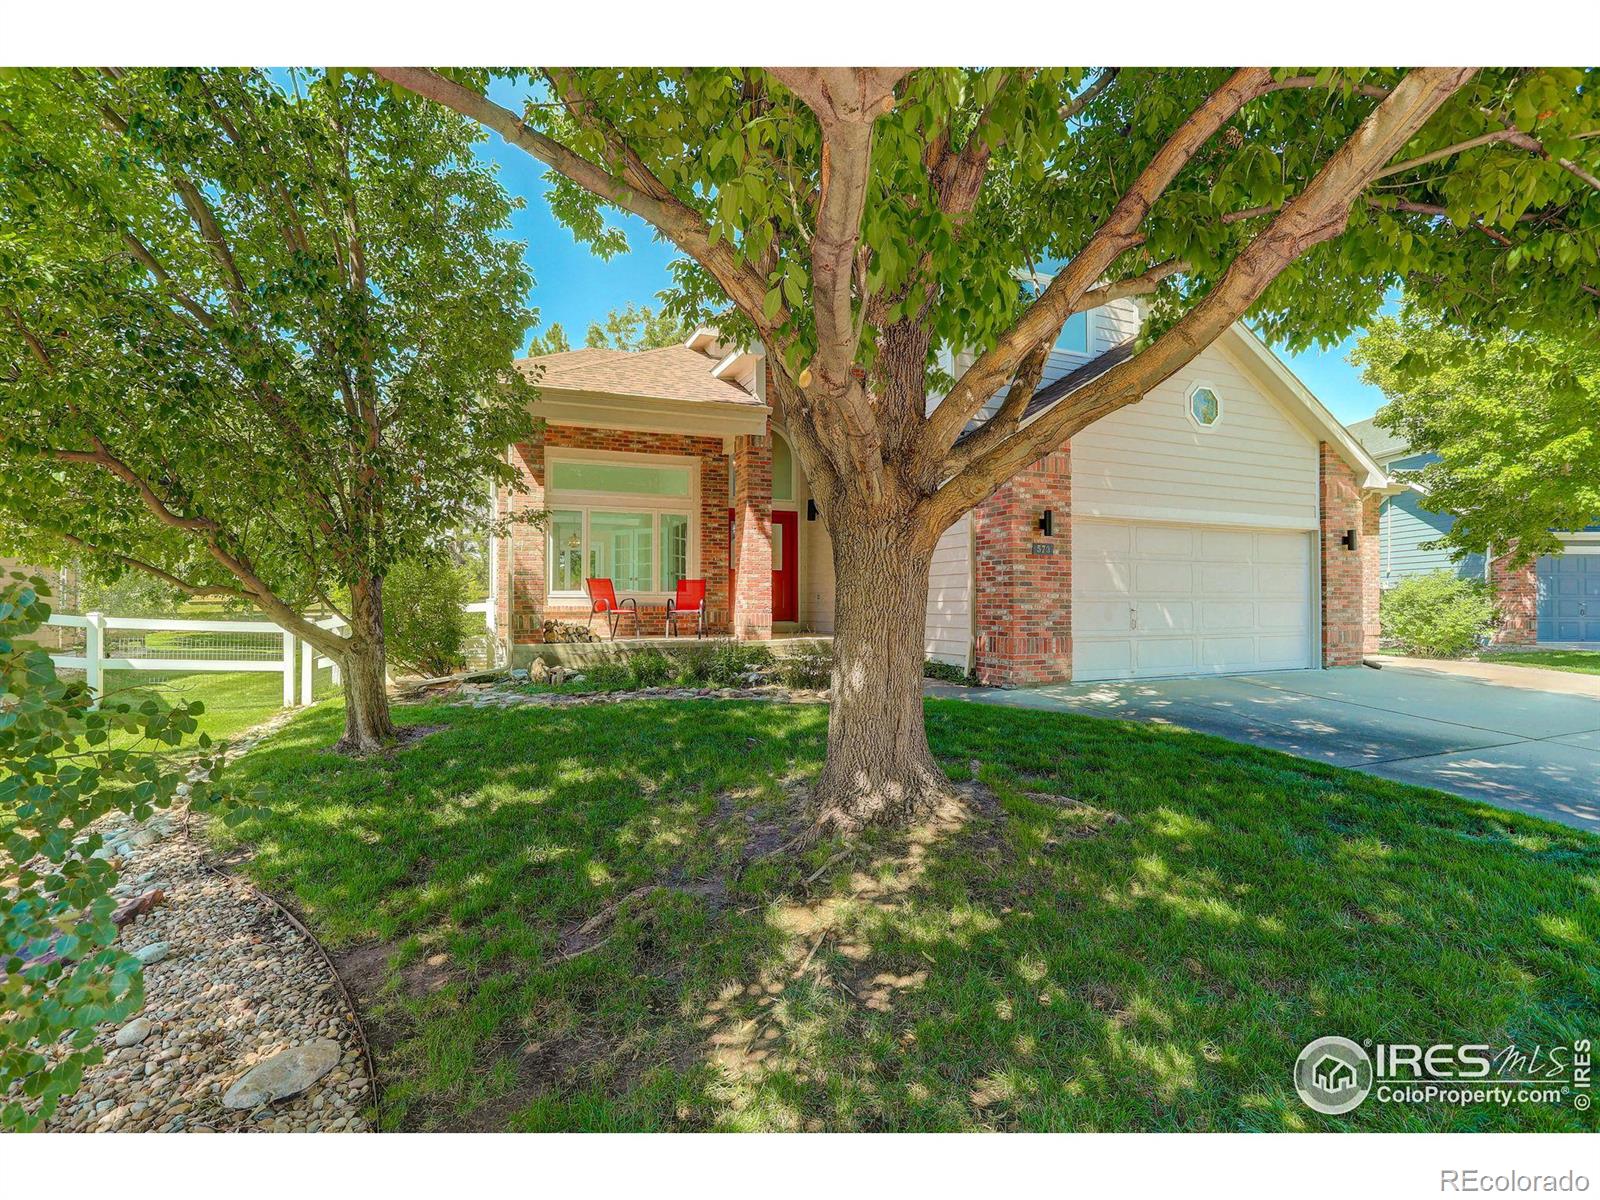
670,373
1070,382
1376,440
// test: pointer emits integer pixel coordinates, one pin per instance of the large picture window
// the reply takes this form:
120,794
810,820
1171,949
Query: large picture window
619,517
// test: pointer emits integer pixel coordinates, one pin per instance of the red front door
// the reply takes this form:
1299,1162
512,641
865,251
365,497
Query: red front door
785,566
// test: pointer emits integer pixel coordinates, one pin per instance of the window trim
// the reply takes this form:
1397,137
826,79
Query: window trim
588,502
1201,385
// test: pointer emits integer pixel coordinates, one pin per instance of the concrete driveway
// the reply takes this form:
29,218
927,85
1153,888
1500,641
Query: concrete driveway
1521,747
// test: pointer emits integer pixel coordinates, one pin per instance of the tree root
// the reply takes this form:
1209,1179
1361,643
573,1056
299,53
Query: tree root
845,812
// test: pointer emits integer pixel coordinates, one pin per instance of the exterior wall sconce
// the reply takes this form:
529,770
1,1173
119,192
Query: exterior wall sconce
1348,541
1047,523
811,510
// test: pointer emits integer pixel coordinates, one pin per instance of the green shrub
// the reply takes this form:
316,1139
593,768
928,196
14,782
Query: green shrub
61,973
720,663
1437,615
650,668
809,667
945,672
425,629
729,661
608,675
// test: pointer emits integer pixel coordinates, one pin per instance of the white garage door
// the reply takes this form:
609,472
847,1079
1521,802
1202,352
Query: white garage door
1151,600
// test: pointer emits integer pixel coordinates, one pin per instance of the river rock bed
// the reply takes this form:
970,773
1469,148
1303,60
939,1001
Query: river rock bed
237,985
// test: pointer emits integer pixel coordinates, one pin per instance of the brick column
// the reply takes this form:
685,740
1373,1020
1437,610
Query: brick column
520,579
752,537
1516,595
1344,573
1024,592
1371,571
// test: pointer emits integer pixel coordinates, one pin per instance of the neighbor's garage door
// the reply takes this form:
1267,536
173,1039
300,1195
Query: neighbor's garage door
1569,598
1151,600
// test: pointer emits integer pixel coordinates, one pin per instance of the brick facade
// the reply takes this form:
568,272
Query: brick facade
1347,574
1516,595
1023,600
1371,570
521,605
1024,579
752,537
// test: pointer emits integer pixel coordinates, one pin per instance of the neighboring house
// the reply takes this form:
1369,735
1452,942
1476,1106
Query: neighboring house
1554,600
1404,524
1225,523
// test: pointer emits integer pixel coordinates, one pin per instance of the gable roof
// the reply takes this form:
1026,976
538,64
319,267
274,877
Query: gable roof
669,373
1379,442
1295,392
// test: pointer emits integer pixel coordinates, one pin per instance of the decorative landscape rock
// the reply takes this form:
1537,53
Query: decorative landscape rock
134,1032
284,1075
153,953
246,986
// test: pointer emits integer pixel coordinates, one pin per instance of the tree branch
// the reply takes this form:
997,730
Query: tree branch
1089,94
148,261
1371,91
189,589
1119,233
646,198
1319,213
846,102
1135,285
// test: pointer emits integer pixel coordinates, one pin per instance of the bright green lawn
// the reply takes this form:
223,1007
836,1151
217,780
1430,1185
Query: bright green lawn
1585,661
1046,968
234,700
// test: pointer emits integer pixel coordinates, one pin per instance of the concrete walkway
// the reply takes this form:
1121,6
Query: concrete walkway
1506,674
1521,747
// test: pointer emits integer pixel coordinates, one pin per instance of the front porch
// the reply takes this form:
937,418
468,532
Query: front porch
645,508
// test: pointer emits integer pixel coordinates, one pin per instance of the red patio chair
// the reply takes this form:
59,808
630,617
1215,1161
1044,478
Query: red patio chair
603,599
691,598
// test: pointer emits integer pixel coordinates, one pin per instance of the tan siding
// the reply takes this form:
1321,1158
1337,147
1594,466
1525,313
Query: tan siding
816,562
816,575
1255,467
948,629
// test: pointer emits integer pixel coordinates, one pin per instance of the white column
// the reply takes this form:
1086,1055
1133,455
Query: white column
288,669
94,652
308,666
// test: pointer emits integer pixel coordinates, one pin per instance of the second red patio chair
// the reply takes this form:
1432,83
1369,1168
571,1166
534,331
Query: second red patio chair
603,599
690,599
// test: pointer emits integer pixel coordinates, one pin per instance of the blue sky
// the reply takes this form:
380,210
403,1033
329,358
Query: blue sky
573,287
1335,382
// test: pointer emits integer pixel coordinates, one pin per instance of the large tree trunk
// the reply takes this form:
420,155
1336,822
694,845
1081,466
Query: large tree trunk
367,724
879,769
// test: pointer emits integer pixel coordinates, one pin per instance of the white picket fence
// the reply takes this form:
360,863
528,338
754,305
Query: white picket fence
252,646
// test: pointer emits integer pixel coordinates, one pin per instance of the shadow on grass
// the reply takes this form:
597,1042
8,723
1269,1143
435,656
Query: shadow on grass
1039,964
